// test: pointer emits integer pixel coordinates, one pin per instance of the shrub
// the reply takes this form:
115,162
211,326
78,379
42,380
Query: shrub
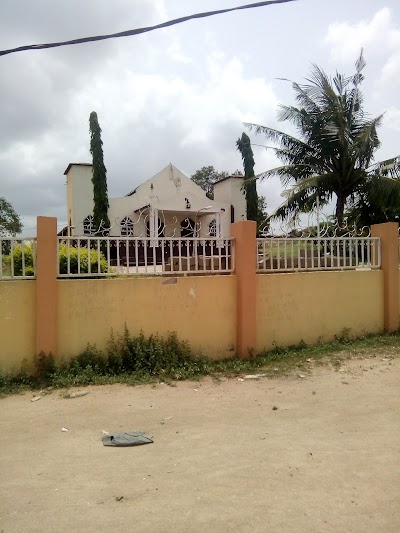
28,260
84,256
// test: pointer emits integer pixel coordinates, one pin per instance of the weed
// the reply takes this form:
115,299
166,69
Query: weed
134,360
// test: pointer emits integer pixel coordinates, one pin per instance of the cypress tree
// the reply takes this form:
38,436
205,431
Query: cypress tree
244,147
99,177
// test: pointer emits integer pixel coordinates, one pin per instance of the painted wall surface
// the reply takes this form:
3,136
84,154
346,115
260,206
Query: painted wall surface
201,310
17,323
79,196
232,188
314,306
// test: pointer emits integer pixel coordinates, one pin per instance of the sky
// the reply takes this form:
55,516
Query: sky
176,95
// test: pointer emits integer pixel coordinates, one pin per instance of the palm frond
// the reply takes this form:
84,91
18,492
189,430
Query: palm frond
389,168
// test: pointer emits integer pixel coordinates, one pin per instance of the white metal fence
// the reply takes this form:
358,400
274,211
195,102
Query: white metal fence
116,256
17,258
303,254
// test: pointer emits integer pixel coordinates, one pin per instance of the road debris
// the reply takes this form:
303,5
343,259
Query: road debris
36,398
77,394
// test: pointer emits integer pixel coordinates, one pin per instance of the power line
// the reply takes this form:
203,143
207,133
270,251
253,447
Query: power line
138,31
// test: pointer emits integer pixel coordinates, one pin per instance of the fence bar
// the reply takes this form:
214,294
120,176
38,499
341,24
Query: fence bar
186,255
308,254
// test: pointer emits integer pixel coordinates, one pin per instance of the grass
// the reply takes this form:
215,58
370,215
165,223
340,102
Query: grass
291,247
138,360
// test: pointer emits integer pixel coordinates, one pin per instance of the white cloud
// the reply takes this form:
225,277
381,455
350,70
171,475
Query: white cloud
380,38
177,54
392,119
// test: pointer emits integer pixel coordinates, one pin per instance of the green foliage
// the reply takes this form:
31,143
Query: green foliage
99,177
27,258
143,359
206,177
10,223
334,154
244,147
262,215
85,256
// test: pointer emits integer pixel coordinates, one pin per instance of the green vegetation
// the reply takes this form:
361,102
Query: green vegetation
99,178
84,258
19,258
10,222
250,187
206,177
333,158
134,360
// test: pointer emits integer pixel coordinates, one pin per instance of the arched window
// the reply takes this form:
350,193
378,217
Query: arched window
127,227
88,225
159,230
212,228
188,228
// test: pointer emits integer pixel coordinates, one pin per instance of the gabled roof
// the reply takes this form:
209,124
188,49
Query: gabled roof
173,174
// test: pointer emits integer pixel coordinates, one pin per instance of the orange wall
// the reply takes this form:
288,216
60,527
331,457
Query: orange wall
17,323
201,310
317,306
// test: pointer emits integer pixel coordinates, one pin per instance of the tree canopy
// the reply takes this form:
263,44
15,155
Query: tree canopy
10,222
99,177
206,177
250,186
333,158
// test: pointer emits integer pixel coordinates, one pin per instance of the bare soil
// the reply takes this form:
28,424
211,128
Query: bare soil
313,454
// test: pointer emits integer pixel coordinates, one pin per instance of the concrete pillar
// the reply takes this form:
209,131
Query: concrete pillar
389,236
46,286
244,233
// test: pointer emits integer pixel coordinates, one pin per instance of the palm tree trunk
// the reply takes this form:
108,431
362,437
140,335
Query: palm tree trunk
340,203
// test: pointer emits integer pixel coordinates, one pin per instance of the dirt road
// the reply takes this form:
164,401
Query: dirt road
223,459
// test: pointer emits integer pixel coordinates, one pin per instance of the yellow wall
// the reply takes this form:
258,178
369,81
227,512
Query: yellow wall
313,306
17,323
201,310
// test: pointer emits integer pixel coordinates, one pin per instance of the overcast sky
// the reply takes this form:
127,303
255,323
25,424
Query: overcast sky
176,95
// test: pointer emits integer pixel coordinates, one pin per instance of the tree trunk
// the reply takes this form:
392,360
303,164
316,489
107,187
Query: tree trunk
340,203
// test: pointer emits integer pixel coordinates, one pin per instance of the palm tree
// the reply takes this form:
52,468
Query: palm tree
334,156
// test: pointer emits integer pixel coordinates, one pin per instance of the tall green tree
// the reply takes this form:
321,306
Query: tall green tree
244,147
10,222
99,177
206,177
262,215
333,157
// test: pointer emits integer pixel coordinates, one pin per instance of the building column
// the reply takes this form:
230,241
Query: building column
389,235
244,233
46,285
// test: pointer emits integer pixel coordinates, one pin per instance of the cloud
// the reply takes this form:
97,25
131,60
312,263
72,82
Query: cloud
380,38
155,104
177,54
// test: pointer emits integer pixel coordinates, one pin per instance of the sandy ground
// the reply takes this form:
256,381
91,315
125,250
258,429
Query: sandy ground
327,459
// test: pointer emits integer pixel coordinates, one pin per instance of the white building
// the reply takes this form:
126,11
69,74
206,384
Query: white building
167,205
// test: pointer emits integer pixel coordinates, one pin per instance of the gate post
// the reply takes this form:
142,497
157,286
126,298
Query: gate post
46,286
244,233
389,235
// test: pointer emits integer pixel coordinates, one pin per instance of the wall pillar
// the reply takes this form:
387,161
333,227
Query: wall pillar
389,236
46,286
244,233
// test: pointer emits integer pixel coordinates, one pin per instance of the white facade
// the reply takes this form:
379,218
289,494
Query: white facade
169,204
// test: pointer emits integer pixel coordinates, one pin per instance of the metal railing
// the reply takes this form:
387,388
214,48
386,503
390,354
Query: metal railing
17,258
305,254
118,256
